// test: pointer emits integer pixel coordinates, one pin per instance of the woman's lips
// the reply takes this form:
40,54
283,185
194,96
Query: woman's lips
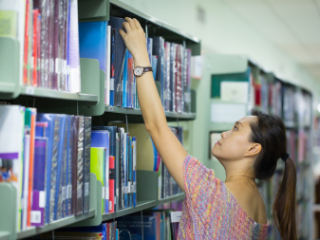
218,143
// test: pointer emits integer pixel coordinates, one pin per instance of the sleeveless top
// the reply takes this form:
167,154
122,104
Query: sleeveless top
210,211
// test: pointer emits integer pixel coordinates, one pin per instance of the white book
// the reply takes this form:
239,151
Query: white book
108,72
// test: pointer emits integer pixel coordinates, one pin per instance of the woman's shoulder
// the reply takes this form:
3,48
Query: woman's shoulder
248,200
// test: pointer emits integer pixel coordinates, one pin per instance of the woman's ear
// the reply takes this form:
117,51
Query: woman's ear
254,150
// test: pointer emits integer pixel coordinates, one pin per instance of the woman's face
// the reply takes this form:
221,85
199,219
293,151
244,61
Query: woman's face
234,144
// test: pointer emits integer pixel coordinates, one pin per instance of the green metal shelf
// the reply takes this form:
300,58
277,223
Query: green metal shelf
49,93
174,198
54,225
142,205
101,10
4,236
113,113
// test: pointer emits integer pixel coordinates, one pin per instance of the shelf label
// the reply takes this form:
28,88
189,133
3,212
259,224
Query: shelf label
110,108
30,90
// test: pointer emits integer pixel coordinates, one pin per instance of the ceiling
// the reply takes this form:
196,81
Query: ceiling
292,25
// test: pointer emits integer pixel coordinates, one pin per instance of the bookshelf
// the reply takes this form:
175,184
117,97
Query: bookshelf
89,102
233,67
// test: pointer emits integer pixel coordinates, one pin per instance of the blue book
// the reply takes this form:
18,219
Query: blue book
100,138
125,81
38,191
119,57
134,176
53,127
117,233
112,70
59,172
70,122
130,174
93,42
130,79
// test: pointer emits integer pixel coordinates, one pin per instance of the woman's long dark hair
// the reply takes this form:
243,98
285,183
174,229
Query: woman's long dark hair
270,132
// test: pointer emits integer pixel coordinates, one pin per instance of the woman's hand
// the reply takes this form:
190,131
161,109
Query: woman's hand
134,38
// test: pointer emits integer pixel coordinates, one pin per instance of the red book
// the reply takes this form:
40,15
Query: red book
111,184
26,44
35,47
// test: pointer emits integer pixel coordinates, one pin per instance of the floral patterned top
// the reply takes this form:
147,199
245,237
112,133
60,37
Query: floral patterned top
210,211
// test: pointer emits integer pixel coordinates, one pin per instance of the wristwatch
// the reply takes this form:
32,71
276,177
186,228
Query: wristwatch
138,70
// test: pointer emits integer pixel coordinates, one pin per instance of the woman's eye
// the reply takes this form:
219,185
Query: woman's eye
235,128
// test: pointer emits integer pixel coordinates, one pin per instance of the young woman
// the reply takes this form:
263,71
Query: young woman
213,209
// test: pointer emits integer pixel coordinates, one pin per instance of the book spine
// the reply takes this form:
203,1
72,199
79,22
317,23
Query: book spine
130,81
112,70
38,194
111,184
31,159
134,169
117,174
108,66
86,167
125,81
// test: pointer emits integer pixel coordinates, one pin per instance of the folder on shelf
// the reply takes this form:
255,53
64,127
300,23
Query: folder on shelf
111,184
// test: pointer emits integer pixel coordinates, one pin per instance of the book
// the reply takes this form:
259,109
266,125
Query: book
86,162
119,58
108,69
38,193
78,170
74,78
111,184
98,155
124,90
100,138
69,166
12,120
175,222
134,173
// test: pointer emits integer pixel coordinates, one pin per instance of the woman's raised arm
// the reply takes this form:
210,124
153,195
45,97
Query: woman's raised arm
168,146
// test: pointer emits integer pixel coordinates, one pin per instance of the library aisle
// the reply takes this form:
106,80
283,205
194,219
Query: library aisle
76,160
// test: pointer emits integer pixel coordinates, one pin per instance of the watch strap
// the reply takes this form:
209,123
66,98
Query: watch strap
147,69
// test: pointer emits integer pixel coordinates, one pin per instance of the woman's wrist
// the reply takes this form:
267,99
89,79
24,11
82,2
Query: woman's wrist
141,59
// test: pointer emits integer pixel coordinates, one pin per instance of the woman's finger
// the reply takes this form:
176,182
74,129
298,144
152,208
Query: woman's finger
131,23
126,26
122,33
137,23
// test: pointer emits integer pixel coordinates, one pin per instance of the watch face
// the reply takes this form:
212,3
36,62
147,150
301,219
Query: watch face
138,71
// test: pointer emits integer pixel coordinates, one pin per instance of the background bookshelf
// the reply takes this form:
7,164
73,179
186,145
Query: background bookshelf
90,102
284,103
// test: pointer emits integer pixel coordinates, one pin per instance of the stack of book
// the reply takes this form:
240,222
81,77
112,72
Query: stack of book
170,62
105,231
47,31
113,160
47,158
